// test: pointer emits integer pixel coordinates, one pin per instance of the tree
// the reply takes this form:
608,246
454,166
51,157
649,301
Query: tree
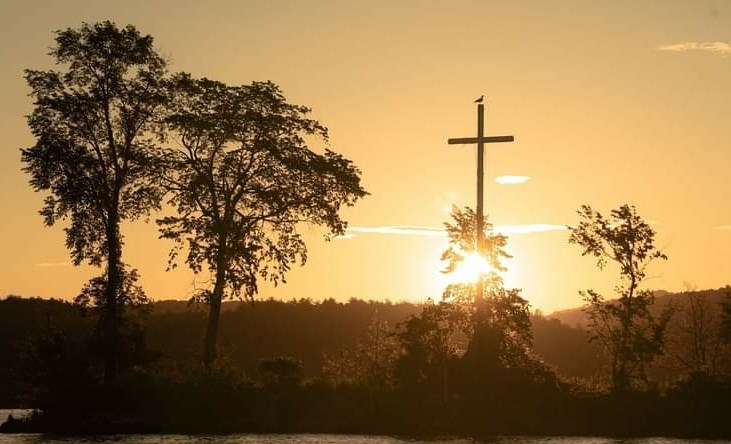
95,150
725,317
428,350
133,308
370,363
625,328
243,179
695,339
502,330
462,235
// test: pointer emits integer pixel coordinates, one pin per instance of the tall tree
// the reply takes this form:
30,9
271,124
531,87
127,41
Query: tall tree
694,337
243,178
501,332
94,150
625,328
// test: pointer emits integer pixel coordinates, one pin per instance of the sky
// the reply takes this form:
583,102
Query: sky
609,103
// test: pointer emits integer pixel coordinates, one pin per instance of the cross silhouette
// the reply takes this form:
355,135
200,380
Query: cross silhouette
480,140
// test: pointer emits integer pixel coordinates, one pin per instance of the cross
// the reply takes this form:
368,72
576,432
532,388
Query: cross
480,140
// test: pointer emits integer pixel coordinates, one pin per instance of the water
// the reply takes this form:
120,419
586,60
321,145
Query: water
326,439
17,413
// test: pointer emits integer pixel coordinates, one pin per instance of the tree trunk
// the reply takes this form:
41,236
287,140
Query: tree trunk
112,290
214,313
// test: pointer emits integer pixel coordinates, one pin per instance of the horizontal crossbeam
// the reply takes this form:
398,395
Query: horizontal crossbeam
468,140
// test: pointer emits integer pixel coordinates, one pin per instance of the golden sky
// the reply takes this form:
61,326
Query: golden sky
610,102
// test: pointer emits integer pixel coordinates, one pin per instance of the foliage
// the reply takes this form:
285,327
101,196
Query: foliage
504,311
695,341
508,314
95,150
168,397
130,294
283,372
429,352
726,319
370,363
90,122
625,328
56,368
242,179
462,235
133,307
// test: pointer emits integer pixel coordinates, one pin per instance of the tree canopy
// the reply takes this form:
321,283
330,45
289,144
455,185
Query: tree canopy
242,178
504,311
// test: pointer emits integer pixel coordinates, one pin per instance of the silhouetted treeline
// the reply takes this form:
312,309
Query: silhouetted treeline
302,329
249,332
350,367
307,331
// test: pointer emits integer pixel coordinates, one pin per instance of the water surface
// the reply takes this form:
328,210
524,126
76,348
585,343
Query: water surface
17,413
327,439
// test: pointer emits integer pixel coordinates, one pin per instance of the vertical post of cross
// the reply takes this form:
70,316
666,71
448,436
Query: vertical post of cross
480,140
480,284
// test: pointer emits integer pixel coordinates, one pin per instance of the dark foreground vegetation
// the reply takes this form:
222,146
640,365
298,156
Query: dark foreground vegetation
356,367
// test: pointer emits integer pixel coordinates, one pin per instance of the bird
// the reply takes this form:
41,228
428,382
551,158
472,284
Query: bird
480,99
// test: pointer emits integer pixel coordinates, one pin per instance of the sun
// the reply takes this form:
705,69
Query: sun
469,271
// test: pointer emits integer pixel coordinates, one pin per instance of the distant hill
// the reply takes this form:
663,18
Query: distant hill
576,317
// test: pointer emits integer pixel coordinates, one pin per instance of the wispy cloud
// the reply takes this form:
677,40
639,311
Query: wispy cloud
529,228
724,227
511,180
52,264
402,230
410,230
721,48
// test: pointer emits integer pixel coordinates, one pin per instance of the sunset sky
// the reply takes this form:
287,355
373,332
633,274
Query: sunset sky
609,102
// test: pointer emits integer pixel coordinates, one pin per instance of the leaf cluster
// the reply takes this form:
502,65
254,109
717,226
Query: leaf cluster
462,235
623,238
131,294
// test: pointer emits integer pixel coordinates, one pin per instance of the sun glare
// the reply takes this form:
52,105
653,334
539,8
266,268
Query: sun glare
470,269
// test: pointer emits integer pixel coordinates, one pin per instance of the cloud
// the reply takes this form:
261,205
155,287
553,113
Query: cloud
52,264
722,48
410,230
529,228
403,230
511,180
724,227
